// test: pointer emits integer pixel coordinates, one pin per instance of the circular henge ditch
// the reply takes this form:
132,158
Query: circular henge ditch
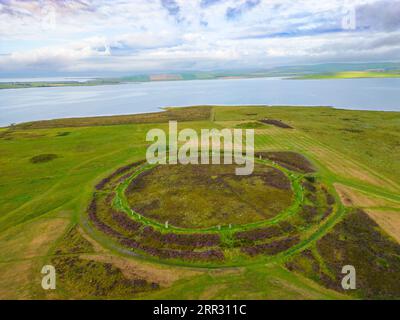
229,243
202,196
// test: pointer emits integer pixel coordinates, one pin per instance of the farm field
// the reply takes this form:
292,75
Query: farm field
75,193
352,75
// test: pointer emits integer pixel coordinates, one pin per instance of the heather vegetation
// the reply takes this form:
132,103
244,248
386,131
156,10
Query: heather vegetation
176,212
209,195
77,194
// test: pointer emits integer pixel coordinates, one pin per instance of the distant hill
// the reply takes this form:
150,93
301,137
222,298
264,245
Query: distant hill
316,71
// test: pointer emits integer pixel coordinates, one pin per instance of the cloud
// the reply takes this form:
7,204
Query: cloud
129,36
56,57
232,13
380,15
171,6
206,3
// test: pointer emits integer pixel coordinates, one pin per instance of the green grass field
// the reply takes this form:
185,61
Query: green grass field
50,170
350,75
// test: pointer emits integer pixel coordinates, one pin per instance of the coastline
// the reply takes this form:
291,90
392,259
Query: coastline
40,104
131,118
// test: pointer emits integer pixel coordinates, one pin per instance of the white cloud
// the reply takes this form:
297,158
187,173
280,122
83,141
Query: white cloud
140,35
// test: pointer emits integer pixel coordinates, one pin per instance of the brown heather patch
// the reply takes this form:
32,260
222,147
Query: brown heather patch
271,248
179,114
289,160
156,244
117,173
209,195
84,279
132,268
276,123
135,268
42,158
359,241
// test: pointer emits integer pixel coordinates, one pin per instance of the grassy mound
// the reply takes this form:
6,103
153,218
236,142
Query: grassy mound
201,196
289,160
208,244
42,158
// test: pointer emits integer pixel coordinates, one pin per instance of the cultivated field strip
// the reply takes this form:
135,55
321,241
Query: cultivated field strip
338,163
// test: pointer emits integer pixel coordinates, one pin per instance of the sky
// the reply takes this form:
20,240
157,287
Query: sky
137,36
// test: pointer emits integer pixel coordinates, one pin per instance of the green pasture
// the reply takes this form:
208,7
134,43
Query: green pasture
42,197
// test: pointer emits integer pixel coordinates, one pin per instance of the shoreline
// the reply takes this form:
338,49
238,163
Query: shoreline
107,82
7,85
163,110
23,85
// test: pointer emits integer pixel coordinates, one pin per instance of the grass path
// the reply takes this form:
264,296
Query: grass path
310,236
91,153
